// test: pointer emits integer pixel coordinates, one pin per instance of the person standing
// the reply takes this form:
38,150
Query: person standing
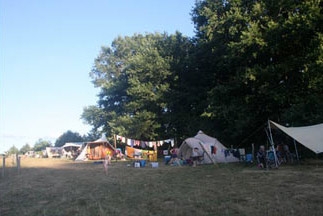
107,162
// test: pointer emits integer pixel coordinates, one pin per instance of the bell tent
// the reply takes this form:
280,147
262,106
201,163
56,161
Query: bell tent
209,147
96,150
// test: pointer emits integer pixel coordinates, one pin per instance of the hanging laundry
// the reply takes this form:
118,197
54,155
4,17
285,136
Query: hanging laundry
143,144
172,142
137,143
119,137
129,142
150,144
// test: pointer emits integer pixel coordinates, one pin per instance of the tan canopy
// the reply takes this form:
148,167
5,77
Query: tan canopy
309,136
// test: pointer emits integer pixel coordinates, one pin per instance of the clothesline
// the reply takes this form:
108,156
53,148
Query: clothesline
144,144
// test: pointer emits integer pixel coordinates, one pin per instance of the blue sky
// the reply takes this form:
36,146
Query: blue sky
47,49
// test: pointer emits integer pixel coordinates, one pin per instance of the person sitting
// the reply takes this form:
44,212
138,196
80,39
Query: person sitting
261,157
173,155
195,156
280,152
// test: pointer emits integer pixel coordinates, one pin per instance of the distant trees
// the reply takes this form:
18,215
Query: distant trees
25,148
41,145
68,136
250,61
13,150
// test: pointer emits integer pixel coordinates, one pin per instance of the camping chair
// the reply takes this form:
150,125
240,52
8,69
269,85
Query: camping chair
270,160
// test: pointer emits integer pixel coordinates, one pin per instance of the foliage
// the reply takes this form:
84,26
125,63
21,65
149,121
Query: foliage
41,145
250,61
68,136
267,61
25,148
13,150
135,76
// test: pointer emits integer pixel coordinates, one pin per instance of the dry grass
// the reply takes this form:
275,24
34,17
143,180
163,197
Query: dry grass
60,187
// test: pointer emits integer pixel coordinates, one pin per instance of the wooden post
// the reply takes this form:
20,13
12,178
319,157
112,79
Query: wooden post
115,141
3,165
18,164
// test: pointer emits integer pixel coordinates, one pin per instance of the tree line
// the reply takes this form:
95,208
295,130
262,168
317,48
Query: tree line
248,62
41,144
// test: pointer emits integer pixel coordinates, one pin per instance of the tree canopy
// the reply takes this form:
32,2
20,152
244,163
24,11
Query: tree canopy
68,136
41,145
249,61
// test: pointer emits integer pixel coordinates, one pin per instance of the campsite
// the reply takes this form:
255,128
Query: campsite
220,184
198,107
64,187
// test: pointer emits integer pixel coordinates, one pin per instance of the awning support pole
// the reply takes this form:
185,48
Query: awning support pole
272,144
296,151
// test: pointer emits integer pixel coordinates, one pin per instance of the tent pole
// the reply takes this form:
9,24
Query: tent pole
207,153
296,151
253,151
272,144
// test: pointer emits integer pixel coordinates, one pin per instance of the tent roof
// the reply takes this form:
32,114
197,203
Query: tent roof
206,138
103,139
309,136
76,144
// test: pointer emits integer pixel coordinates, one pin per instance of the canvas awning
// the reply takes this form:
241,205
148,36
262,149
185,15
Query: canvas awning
309,136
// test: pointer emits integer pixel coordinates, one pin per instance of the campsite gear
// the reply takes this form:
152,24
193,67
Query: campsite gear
167,159
136,164
142,163
249,158
154,164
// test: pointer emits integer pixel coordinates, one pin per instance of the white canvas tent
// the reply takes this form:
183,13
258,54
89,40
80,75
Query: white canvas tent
53,152
213,150
309,136
71,149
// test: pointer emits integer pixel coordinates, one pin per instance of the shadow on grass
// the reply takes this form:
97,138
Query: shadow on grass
69,188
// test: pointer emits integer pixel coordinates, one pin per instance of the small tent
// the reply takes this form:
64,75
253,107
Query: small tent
53,152
71,149
212,150
96,150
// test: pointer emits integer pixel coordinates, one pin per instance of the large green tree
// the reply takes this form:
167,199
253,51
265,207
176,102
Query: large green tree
265,58
250,61
137,76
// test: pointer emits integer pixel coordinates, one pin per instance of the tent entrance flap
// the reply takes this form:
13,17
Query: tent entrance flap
204,151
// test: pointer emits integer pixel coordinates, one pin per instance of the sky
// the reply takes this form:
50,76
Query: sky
47,50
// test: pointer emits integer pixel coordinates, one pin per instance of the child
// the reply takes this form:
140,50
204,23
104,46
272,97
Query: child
107,162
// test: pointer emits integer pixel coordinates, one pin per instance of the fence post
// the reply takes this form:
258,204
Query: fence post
3,165
18,164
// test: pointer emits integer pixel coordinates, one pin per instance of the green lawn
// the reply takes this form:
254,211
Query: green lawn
59,187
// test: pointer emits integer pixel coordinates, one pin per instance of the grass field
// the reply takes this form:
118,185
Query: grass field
62,187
